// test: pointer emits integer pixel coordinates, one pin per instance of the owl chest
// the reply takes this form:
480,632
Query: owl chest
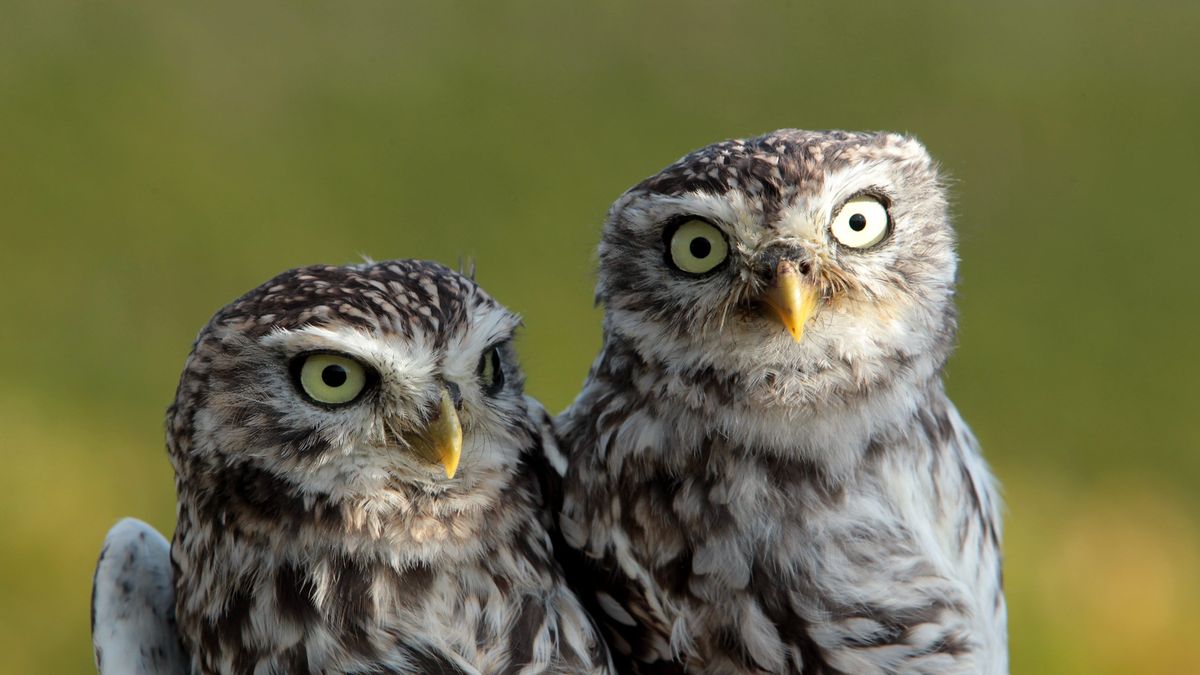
340,615
758,553
758,526
704,536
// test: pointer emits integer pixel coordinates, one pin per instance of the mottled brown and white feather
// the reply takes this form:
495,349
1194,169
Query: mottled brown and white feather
312,539
745,503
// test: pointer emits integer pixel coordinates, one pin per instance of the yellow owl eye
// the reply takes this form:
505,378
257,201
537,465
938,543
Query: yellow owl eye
491,372
331,379
862,222
698,247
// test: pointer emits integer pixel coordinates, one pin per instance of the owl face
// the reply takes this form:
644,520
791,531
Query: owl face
776,256
350,380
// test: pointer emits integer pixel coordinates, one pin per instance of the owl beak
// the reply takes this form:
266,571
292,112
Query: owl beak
441,440
791,299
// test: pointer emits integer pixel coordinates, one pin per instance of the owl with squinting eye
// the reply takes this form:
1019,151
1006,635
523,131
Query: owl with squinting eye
356,469
763,472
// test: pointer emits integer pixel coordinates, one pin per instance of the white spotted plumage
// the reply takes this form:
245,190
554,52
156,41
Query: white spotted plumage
323,537
751,502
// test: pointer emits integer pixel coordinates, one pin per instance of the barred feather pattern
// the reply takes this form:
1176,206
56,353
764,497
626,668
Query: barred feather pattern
740,503
311,540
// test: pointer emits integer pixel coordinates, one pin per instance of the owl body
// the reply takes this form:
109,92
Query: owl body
764,473
326,522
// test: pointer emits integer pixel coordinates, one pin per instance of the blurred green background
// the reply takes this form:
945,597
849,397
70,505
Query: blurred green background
156,160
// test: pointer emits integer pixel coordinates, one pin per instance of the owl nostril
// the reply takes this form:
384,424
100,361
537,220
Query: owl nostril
455,395
768,262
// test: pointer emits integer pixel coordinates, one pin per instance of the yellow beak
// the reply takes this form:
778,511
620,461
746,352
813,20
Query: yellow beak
441,441
792,300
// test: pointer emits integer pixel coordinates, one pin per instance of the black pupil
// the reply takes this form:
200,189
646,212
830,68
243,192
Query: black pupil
857,222
334,376
700,247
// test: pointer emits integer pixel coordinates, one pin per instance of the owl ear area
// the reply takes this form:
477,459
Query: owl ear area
695,246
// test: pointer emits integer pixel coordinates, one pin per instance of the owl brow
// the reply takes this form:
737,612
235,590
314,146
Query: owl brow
499,339
672,222
501,331
875,191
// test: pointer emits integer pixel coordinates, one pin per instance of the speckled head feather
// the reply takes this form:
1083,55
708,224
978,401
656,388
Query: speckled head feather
763,460
399,297
415,324
773,196
317,532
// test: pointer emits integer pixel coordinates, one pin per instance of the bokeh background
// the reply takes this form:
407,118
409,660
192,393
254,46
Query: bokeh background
158,159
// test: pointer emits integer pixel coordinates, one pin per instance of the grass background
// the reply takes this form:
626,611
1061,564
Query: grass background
156,160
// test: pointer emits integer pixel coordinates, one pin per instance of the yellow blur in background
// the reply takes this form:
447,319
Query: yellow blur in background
157,160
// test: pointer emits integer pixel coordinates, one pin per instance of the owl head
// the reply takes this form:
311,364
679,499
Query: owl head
353,381
798,268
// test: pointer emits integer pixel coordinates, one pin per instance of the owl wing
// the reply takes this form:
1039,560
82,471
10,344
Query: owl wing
548,463
577,613
632,627
133,604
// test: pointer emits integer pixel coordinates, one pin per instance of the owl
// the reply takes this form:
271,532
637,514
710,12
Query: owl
763,472
356,468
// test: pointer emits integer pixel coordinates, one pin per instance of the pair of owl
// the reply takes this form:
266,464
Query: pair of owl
762,473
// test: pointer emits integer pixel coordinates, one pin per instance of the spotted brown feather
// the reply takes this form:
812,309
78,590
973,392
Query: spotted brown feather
747,503
313,539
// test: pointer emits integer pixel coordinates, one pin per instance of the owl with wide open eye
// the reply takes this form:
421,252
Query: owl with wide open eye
764,473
